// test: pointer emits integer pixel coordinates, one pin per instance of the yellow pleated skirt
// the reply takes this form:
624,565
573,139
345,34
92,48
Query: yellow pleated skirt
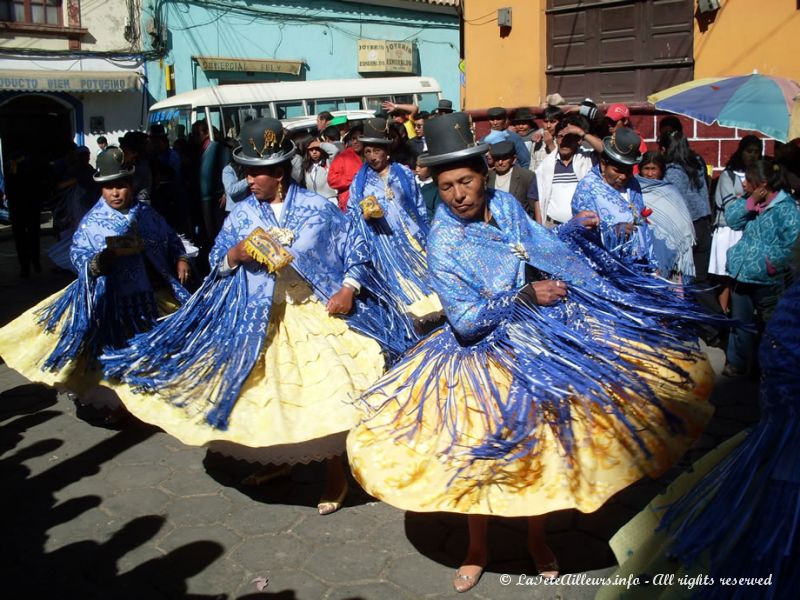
296,404
428,466
25,345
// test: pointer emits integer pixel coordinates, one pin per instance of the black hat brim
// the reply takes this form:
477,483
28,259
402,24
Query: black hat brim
616,157
432,160
119,175
376,141
274,159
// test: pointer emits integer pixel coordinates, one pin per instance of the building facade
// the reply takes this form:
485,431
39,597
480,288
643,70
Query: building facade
210,42
622,51
70,71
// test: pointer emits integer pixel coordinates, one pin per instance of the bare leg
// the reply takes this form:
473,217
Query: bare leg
543,557
471,569
335,487
725,294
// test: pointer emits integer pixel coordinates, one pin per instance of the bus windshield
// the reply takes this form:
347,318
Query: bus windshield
176,121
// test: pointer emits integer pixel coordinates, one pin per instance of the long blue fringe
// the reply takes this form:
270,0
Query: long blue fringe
208,346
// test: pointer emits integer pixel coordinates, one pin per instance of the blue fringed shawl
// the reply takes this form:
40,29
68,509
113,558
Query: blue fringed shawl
553,354
395,242
203,353
105,310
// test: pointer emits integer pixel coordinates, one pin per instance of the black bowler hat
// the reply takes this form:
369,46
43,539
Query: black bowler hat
522,115
623,146
262,143
497,112
110,165
376,131
444,107
450,139
502,149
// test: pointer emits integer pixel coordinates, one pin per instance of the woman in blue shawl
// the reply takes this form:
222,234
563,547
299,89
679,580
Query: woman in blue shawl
389,212
669,219
611,191
551,386
131,269
261,363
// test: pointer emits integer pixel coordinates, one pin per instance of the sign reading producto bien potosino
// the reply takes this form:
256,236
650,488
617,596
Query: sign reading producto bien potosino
384,56
66,81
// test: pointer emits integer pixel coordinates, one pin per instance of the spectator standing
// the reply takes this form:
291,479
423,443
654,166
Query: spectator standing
346,164
511,178
27,182
134,148
323,120
428,189
730,186
544,139
213,158
759,263
235,184
498,121
315,170
102,143
558,175
671,224
445,107
418,141
685,170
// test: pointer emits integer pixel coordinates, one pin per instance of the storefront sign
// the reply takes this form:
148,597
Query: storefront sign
384,56
66,81
244,65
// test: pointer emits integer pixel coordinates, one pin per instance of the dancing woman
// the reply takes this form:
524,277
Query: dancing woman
261,362
388,210
131,269
550,387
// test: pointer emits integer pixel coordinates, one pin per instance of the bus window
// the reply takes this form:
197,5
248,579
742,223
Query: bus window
329,105
374,102
174,120
216,123
351,104
287,110
230,115
403,99
428,101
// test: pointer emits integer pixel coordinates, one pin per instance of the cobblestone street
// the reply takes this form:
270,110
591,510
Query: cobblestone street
128,512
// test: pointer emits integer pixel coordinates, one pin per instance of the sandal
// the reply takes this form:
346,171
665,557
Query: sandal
463,582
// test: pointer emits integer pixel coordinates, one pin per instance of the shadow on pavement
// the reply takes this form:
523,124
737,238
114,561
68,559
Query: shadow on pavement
29,509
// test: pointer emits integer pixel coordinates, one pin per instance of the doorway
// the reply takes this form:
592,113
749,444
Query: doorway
36,124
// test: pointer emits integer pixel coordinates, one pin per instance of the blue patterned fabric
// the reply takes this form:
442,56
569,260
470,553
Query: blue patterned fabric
395,242
104,310
593,193
213,341
477,270
743,518
767,240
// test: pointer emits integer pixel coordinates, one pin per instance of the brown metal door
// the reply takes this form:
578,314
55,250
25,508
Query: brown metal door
618,50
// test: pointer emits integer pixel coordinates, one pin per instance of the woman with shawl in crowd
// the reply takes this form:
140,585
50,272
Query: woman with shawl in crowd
611,191
131,269
670,221
551,386
260,364
388,210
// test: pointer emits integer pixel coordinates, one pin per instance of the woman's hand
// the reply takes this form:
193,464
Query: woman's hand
625,230
183,270
238,255
587,218
543,293
341,303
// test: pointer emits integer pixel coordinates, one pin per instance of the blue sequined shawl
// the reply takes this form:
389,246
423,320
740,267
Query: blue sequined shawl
104,310
212,343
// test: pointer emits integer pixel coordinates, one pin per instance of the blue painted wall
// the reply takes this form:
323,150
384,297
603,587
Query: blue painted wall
322,33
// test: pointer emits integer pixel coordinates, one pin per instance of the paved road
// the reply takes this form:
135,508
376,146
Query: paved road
93,512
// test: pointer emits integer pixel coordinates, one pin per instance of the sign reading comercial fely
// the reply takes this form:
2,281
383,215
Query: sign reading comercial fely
249,65
68,81
385,56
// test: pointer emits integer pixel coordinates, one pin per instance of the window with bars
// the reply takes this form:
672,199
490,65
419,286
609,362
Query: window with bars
37,12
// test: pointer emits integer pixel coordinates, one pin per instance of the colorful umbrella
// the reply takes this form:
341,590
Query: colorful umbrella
760,102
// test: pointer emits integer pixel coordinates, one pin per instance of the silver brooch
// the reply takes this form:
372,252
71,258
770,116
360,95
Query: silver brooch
283,235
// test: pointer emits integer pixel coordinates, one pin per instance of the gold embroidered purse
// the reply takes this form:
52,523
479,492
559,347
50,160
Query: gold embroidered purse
266,250
371,208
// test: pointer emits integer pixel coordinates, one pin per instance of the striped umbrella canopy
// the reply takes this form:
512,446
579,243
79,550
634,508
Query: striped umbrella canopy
762,103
